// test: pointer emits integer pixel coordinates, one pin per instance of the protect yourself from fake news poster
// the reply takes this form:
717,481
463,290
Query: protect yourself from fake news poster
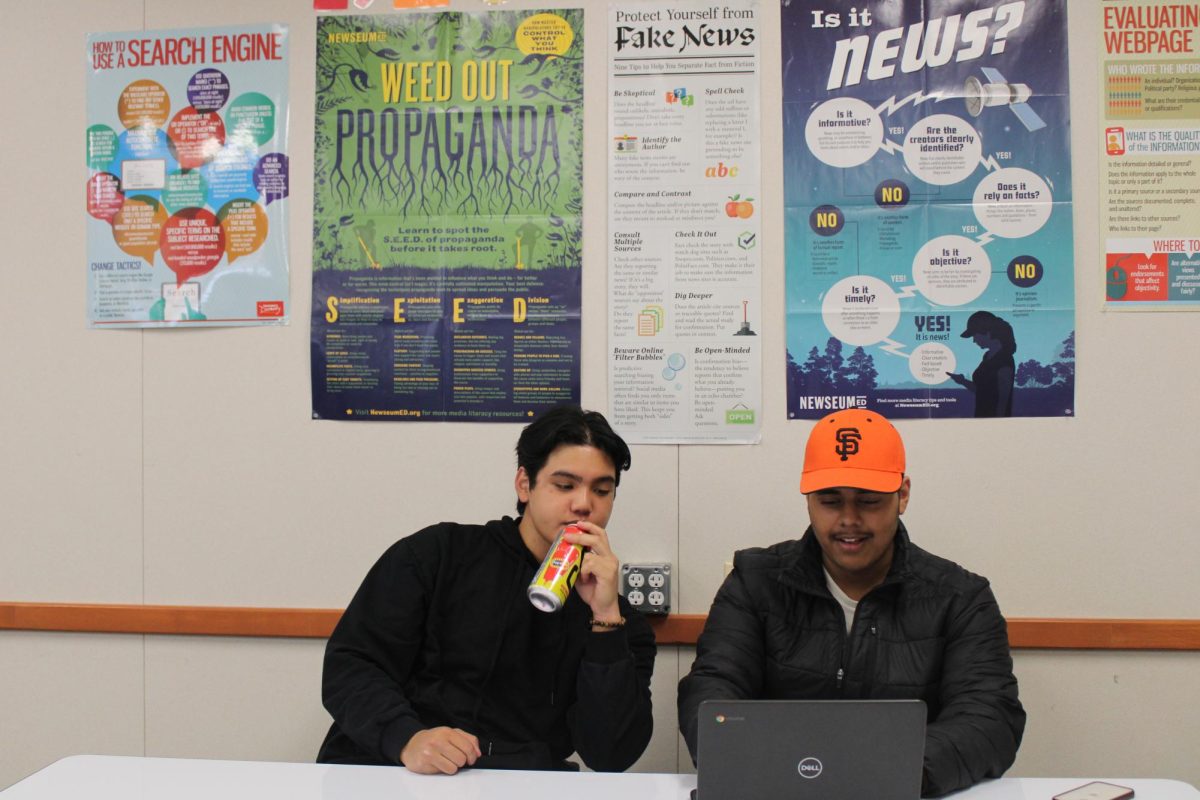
187,183
447,215
927,177
1150,159
684,206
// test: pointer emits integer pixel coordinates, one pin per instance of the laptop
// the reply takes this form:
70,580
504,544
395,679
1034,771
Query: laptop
810,749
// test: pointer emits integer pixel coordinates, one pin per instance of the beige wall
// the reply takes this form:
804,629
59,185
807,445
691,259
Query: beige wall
183,467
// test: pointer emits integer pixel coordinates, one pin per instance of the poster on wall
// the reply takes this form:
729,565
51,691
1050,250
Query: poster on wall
1150,158
684,212
187,186
927,181
381,5
447,228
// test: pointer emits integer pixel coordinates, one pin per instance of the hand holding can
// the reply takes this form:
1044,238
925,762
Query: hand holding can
552,582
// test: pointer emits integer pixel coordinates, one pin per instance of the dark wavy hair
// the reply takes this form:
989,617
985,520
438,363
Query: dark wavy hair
570,425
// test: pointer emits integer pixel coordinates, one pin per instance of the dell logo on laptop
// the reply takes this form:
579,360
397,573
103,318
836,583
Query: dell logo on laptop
809,767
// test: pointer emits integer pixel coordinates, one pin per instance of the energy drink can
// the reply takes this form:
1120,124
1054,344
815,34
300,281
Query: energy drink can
555,577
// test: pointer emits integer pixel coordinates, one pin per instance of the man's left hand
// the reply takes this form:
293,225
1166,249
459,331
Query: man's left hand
597,582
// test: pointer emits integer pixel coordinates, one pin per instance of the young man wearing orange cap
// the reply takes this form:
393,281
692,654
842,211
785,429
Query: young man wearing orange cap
853,609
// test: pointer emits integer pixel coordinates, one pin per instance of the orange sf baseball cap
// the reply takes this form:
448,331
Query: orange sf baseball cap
855,448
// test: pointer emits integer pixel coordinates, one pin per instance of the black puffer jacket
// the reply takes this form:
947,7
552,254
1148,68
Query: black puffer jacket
441,633
930,631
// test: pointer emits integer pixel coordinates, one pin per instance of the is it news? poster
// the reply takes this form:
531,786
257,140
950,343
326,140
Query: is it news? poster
186,149
927,179
447,215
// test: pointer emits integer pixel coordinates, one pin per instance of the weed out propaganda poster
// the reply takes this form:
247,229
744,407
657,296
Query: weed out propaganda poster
447,215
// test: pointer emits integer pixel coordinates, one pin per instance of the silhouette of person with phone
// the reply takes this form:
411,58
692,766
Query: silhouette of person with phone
992,381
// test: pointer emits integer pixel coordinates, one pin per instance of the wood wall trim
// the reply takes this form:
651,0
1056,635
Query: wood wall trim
1104,634
307,623
1025,633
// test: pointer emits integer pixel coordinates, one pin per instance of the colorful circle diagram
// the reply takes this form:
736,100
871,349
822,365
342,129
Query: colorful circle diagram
104,196
252,119
136,227
230,174
101,146
208,90
245,225
271,177
184,189
188,183
192,243
144,104
195,137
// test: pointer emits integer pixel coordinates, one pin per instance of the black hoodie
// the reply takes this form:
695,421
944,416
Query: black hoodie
442,633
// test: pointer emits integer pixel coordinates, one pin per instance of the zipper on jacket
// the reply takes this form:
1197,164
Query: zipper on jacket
872,652
847,637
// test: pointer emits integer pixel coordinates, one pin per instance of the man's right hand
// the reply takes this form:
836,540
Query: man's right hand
444,750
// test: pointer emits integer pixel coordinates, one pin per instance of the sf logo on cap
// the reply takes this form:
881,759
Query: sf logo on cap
847,442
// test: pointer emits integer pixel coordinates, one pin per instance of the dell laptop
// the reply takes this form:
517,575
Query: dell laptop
810,750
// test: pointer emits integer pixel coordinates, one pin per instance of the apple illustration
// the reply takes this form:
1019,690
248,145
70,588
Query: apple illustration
739,208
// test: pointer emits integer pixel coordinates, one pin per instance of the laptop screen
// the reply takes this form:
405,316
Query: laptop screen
810,749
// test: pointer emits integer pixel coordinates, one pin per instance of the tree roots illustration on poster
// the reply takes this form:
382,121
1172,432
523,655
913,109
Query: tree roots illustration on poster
447,215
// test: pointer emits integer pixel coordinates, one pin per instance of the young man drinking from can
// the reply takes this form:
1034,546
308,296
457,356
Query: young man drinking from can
440,662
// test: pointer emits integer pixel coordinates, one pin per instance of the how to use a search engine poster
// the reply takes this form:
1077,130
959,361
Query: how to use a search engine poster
927,181
186,149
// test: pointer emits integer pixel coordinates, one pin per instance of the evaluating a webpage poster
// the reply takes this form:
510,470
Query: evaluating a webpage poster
188,180
927,180
684,212
1150,159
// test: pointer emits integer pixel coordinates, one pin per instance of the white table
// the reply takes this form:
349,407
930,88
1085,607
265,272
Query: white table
129,778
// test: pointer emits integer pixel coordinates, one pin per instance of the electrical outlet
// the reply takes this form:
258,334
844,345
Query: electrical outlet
647,587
